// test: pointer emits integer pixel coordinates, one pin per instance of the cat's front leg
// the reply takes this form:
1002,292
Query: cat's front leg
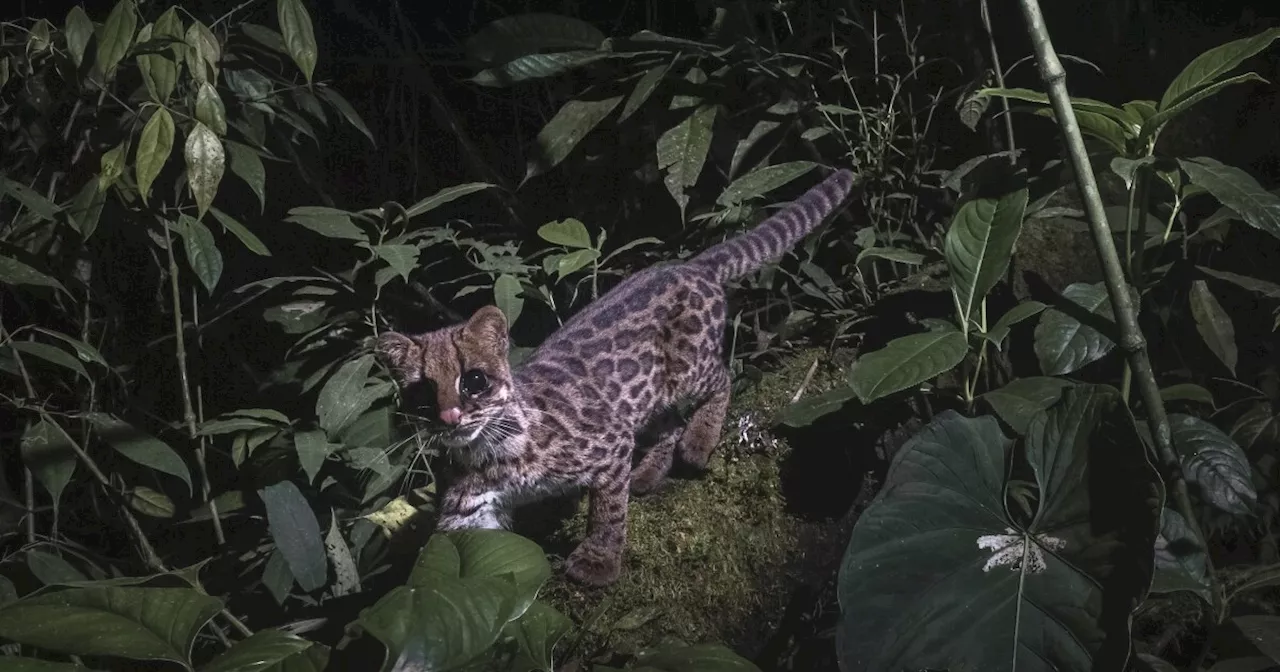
472,502
597,561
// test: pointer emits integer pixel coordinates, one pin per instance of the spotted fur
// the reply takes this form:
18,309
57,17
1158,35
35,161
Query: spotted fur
569,415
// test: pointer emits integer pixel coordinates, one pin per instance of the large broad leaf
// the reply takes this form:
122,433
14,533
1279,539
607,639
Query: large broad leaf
1237,190
470,554
979,244
296,532
47,451
506,296
762,181
906,362
235,228
140,446
939,576
567,232
52,354
1214,63
299,37
682,151
155,144
202,252
644,89
1063,342
129,622
116,37
328,222
1213,464
260,652
1023,311
571,124
1157,121
441,625
1180,559
14,272
247,165
344,396
804,412
537,631
511,37
206,163
1214,325
536,66
1024,398
313,449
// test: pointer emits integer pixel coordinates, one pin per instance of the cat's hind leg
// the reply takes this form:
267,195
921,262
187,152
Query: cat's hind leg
597,561
707,421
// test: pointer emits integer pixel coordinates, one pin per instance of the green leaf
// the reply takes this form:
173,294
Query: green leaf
209,109
892,254
401,258
238,230
1255,578
506,296
86,208
154,146
299,37
937,546
51,569
296,533
78,31
344,108
116,37
536,66
51,354
697,658
47,451
682,152
906,362
1187,392
1258,425
1214,325
575,261
140,447
150,502
1063,343
259,652
112,165
1089,105
762,181
488,554
84,351
1268,289
28,197
809,409
440,626
123,621
443,196
571,124
537,631
511,37
313,449
1180,559
159,70
23,664
1023,311
1215,467
979,244
1018,402
328,222
644,89
1099,126
1237,190
203,53
567,232
1158,120
202,251
1214,63
341,398
206,162
247,165
1263,632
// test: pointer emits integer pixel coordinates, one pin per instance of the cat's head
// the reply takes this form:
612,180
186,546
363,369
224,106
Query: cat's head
457,378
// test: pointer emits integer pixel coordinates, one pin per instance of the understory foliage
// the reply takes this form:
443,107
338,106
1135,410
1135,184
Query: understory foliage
183,490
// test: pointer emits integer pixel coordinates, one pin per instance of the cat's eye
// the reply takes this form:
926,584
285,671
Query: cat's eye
474,382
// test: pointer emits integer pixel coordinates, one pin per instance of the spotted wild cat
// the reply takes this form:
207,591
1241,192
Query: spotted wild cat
568,416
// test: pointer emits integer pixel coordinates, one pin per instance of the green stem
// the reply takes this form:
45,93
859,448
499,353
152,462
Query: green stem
1131,339
188,409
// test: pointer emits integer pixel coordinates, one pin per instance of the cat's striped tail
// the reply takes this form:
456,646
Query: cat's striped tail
747,252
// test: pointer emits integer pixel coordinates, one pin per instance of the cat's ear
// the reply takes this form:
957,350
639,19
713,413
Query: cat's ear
489,326
398,352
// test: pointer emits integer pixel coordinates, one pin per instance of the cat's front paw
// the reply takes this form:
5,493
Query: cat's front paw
644,482
593,567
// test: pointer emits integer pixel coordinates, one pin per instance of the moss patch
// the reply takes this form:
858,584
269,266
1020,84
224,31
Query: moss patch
714,558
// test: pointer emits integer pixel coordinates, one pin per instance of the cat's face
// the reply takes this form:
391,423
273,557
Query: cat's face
457,379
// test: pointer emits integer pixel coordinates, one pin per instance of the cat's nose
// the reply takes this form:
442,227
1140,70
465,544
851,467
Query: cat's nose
451,416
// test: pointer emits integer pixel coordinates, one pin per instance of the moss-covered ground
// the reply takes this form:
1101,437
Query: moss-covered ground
717,557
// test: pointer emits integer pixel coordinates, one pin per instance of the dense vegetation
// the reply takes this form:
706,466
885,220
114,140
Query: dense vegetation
1030,370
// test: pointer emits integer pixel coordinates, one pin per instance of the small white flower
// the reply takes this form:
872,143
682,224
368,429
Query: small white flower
1011,547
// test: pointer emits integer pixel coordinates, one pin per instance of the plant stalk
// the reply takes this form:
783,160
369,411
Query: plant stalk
1131,339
